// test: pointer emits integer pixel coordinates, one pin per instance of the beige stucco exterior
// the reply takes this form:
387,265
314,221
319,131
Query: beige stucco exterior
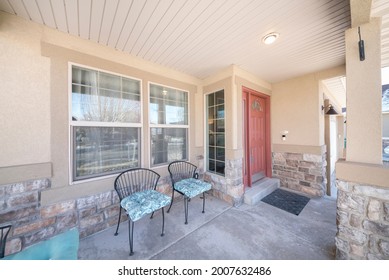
36,61
25,94
34,91
364,95
298,101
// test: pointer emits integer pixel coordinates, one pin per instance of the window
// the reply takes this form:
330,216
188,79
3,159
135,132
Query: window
105,123
215,133
168,124
385,114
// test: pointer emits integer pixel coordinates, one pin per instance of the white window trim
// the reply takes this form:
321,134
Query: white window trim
205,161
187,126
101,124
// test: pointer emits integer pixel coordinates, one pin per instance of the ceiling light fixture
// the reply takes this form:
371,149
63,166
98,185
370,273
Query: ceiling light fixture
270,38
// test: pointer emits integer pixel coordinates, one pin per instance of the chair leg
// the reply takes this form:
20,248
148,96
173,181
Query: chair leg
163,222
152,214
131,235
171,203
186,202
203,201
117,228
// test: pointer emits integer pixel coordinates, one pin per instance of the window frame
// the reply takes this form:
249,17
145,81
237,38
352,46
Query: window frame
163,126
206,132
72,124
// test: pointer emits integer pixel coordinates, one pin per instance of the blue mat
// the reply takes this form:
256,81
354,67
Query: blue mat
288,201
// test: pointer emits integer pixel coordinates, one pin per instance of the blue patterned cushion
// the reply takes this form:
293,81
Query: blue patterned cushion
142,203
192,187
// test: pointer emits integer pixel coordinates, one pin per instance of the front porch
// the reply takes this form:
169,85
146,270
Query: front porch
223,232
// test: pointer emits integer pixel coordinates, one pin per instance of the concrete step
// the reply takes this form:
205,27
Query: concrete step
260,189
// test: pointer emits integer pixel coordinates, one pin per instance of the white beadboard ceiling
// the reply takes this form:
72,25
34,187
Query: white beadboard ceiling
201,37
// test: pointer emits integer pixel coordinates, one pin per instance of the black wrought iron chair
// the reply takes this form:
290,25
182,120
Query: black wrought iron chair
185,181
4,231
138,197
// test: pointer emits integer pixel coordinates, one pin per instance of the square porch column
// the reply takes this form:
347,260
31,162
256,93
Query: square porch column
364,130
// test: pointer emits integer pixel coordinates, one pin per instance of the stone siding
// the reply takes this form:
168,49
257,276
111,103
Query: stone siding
20,206
363,222
229,188
305,173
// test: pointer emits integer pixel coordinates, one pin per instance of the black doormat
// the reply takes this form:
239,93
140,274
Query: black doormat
288,201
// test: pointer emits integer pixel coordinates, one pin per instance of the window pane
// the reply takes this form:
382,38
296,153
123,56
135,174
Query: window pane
131,86
220,153
220,111
98,97
216,132
168,144
219,97
104,150
109,81
168,106
84,76
211,152
211,166
85,103
220,167
220,140
211,140
220,125
211,100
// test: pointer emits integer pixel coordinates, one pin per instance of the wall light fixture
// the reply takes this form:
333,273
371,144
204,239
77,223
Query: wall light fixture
331,110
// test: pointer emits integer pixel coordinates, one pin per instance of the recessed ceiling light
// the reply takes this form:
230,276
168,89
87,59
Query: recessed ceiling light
270,38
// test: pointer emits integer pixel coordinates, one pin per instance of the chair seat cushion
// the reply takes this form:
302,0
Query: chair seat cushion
192,187
142,203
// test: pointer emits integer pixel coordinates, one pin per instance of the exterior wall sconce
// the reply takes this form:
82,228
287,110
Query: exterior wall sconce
361,46
283,134
331,110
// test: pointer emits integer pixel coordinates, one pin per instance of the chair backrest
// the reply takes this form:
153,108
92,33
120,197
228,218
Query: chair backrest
180,170
4,230
135,180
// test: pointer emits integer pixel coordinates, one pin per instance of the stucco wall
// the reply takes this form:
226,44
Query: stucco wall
25,94
35,63
296,107
34,89
364,94
296,102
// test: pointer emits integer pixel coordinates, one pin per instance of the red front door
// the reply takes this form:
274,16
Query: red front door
255,139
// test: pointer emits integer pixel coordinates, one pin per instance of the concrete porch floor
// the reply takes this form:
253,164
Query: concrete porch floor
223,232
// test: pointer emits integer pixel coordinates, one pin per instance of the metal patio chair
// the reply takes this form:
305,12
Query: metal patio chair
4,231
185,181
138,197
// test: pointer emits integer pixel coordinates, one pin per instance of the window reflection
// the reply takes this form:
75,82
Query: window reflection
216,133
104,150
168,107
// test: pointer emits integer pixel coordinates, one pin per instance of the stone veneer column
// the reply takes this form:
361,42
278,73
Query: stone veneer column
229,188
363,221
305,173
